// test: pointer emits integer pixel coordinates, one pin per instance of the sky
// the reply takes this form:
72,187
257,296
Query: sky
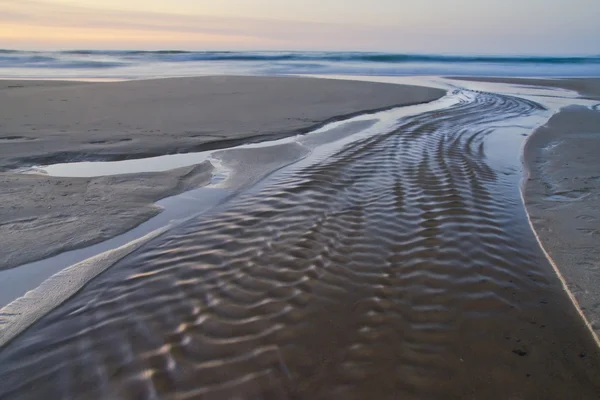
414,26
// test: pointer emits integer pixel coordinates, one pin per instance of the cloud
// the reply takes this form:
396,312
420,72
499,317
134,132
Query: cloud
42,14
36,23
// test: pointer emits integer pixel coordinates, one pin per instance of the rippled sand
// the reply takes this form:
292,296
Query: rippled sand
402,267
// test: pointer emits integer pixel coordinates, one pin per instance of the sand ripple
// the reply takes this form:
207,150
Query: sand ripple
401,267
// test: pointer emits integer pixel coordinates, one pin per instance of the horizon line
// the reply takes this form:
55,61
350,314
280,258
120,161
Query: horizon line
394,52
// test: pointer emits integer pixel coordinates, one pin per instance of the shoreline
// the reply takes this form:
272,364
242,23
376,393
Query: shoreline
561,193
60,212
560,190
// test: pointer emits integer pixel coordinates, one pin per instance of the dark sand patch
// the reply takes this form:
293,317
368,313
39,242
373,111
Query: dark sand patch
15,139
27,85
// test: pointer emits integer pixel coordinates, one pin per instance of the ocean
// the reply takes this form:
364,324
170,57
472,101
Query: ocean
121,64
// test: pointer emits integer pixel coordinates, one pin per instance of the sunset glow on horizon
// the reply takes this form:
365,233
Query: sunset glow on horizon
463,26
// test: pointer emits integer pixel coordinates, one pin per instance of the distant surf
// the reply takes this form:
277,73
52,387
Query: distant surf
131,64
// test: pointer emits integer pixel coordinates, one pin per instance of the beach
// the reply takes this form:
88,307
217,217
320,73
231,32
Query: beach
315,200
45,122
561,189
404,250
562,195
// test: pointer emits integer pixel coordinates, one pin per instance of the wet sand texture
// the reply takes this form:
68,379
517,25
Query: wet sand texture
47,122
401,267
60,214
134,119
562,195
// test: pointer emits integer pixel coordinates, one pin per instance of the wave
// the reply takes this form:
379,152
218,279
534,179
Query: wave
33,59
118,56
87,64
132,64
357,57
17,59
121,52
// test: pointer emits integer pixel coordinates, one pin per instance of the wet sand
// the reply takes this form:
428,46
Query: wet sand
45,122
562,194
402,266
65,121
61,214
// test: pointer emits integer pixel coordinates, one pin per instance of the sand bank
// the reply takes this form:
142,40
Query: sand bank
562,195
43,122
119,120
59,214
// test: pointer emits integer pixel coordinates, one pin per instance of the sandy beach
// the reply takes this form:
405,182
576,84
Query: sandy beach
562,195
328,200
386,262
44,122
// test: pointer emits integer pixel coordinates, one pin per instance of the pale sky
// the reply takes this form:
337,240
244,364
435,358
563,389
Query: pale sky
417,26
